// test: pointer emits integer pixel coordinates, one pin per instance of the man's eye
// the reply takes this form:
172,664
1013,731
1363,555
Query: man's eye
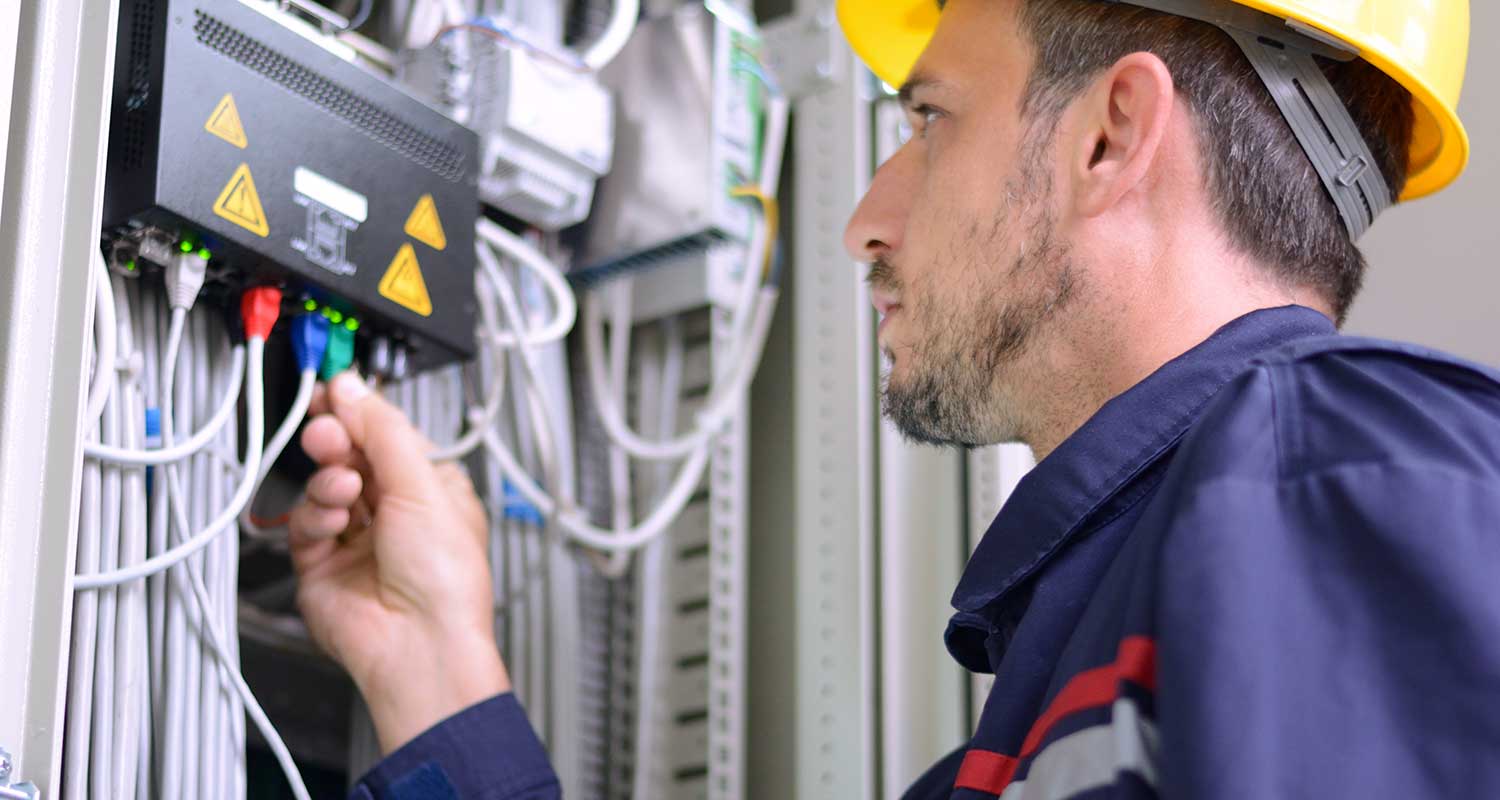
926,115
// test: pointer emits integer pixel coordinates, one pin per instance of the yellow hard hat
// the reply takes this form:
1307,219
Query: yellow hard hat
1421,44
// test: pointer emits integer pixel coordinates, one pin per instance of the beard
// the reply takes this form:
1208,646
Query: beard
971,341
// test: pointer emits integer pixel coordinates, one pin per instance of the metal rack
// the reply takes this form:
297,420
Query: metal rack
59,56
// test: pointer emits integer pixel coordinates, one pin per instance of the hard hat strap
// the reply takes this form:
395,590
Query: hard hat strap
1322,124
1282,53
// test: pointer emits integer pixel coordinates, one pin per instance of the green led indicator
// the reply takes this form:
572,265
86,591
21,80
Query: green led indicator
327,313
130,265
186,246
335,317
204,254
352,324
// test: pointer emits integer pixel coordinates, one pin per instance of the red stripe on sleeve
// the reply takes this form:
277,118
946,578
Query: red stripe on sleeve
986,771
1135,662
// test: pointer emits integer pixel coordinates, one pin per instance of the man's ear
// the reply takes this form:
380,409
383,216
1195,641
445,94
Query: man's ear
1122,119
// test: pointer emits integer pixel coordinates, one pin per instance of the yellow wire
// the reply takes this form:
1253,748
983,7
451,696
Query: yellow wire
772,212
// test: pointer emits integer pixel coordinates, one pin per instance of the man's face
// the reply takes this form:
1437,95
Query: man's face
968,269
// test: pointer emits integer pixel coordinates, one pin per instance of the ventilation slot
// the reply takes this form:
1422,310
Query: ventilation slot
136,119
442,158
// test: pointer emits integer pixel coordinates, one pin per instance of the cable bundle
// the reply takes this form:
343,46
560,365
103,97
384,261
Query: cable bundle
156,702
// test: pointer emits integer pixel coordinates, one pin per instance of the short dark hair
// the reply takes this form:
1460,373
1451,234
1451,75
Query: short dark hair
1268,197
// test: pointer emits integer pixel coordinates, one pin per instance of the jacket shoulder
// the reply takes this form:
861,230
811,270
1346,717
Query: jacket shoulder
1330,401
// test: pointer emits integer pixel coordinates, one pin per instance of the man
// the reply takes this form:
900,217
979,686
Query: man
1255,560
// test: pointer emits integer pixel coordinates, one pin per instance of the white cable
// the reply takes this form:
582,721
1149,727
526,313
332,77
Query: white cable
570,520
174,768
749,338
675,500
723,402
306,383
102,738
209,680
535,390
157,589
256,415
221,654
650,571
130,609
226,477
191,446
180,408
564,304
486,415
226,517
104,337
619,460
769,180
81,656
622,21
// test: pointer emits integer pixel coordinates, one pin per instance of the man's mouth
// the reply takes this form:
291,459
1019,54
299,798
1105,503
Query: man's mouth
885,305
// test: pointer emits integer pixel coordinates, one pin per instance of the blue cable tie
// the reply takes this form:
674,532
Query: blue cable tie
518,508
153,441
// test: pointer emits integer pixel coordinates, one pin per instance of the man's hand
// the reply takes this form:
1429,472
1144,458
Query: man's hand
394,580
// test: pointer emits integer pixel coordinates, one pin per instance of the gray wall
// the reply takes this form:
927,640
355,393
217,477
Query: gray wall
1435,264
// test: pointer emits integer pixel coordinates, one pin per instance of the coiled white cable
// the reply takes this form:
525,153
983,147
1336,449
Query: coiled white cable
723,402
225,519
190,446
674,500
564,304
752,326
622,20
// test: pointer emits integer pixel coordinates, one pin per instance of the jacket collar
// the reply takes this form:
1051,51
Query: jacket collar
1056,500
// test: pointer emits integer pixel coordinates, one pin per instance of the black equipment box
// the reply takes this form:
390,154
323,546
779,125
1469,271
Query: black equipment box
233,131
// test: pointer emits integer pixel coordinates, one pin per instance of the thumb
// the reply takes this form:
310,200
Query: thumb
395,451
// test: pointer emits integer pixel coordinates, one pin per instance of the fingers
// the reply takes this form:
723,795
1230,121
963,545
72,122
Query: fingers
308,551
335,487
319,403
312,521
326,442
395,452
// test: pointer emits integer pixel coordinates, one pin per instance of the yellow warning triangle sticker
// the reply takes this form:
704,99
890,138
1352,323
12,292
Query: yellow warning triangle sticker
225,123
239,203
424,226
403,284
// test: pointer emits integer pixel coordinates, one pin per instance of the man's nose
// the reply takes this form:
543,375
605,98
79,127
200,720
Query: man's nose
879,222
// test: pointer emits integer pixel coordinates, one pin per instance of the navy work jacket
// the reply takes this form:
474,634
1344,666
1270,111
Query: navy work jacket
1270,569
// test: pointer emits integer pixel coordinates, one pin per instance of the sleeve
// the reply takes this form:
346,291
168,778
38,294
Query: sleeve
485,752
1335,635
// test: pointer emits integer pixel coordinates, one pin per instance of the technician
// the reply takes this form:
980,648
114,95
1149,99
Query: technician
1256,559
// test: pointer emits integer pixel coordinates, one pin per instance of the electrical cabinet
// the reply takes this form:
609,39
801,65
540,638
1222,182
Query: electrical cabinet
238,135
